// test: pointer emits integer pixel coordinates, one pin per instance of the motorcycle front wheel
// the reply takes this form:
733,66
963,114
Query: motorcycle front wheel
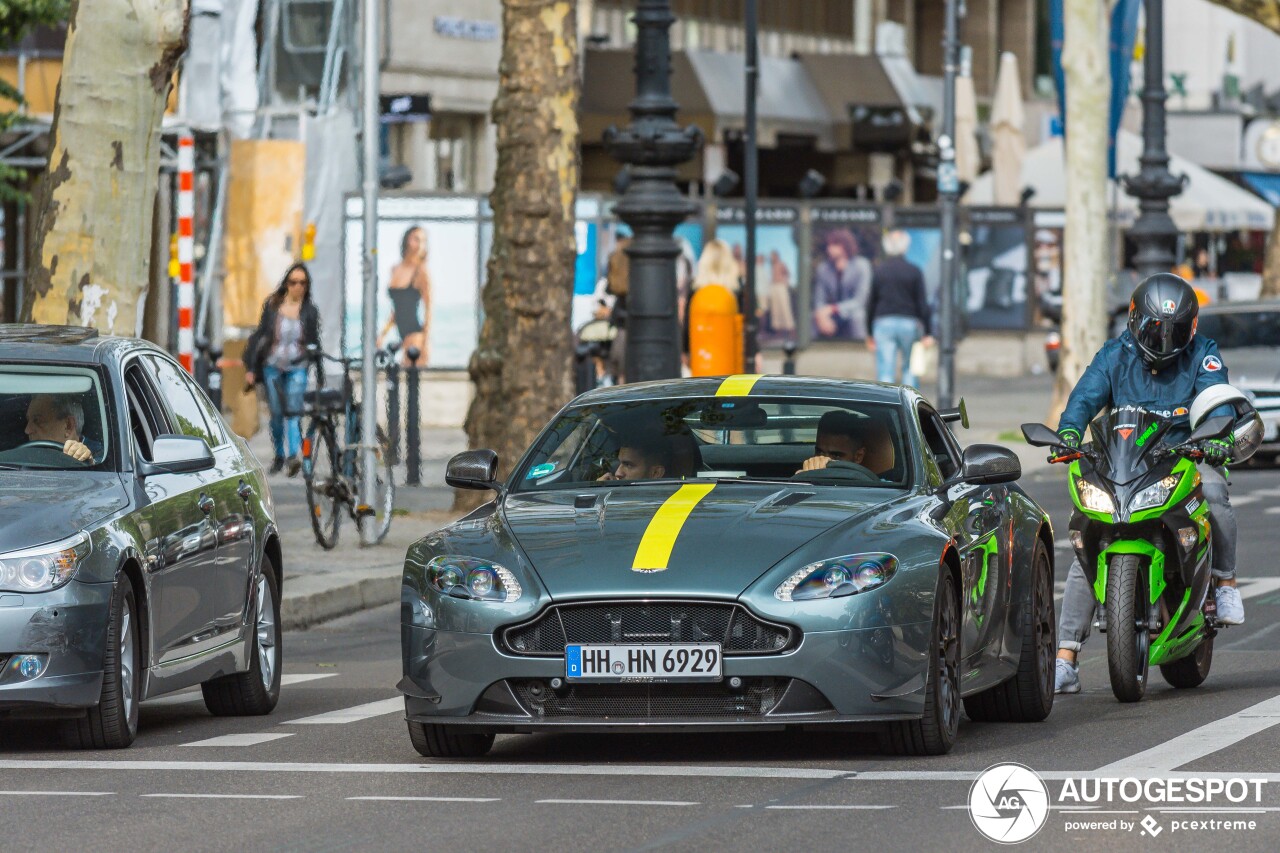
1128,626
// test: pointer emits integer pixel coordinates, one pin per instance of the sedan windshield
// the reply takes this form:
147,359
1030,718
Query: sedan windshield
820,442
51,417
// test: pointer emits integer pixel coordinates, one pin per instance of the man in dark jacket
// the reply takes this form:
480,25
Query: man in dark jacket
1158,364
897,310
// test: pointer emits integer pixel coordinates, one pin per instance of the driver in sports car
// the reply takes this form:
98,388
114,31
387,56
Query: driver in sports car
838,451
58,418
1160,364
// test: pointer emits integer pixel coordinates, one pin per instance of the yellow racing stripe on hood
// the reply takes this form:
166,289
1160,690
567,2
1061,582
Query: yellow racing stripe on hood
738,386
660,536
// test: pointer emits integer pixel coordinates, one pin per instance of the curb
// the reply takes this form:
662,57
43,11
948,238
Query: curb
303,610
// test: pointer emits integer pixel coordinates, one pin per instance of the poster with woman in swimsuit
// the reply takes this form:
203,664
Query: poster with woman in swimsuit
409,289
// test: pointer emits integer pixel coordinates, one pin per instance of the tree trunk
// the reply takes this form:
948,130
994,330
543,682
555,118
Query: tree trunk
1084,291
522,367
90,258
1271,266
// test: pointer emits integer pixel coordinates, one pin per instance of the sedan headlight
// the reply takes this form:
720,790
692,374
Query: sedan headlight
1154,495
45,567
467,577
1094,498
838,577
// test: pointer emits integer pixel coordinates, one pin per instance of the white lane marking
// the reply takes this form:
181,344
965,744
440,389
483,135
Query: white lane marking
350,715
1062,545
225,796
1273,510
249,739
196,696
1199,742
619,802
1245,500
57,793
817,808
1253,587
429,799
726,772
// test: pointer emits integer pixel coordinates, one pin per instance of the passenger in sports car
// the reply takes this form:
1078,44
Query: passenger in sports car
839,450
641,458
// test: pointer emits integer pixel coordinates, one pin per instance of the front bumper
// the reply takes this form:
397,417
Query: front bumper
69,627
835,678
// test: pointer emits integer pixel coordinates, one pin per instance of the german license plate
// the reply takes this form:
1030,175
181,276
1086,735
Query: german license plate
643,662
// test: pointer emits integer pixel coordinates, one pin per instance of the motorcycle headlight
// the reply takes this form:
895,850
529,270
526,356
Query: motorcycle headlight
467,577
45,567
1094,498
1154,495
838,577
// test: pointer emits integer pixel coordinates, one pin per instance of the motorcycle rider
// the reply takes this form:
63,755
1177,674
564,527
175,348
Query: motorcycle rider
1159,364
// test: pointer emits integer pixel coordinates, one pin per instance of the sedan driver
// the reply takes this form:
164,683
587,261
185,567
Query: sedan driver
58,418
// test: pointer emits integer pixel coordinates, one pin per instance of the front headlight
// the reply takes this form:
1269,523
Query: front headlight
1154,495
467,577
1094,498
838,577
45,567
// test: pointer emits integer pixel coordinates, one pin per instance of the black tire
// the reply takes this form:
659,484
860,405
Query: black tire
434,741
385,495
1028,696
1128,634
113,722
935,732
256,691
322,477
1192,670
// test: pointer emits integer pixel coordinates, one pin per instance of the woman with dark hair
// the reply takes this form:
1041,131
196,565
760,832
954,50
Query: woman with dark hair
409,287
290,322
840,288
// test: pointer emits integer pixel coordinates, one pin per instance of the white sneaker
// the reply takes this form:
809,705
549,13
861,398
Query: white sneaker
1066,677
1230,607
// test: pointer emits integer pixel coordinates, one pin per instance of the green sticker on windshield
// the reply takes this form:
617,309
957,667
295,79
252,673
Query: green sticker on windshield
1142,439
540,470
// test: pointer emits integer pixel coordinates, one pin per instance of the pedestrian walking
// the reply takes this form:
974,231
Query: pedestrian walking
897,310
290,322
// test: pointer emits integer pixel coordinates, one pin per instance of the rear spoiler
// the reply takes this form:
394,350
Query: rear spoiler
959,413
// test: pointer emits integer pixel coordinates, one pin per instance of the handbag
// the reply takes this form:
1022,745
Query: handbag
922,359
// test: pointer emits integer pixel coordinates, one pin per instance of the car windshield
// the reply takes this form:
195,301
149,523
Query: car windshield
1242,329
51,417
821,442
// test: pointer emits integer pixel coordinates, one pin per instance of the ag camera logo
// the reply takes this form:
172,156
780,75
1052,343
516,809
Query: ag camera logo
1008,803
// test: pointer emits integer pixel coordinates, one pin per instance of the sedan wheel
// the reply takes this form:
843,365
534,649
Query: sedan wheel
113,722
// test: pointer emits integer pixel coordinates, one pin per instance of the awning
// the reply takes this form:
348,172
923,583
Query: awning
1265,184
865,97
1206,203
710,89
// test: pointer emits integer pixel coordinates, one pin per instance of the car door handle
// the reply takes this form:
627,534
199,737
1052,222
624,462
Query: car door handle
245,491
206,504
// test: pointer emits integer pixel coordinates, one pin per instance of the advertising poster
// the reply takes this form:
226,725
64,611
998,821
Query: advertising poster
846,245
689,236
996,274
923,229
1046,256
778,304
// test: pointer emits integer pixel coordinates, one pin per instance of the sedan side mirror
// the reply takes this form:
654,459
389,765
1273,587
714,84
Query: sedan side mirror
1213,428
178,454
473,469
1039,435
989,464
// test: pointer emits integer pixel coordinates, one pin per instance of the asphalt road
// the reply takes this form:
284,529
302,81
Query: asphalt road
332,768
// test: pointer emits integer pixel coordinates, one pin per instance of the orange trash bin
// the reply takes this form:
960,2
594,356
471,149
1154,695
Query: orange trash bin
715,332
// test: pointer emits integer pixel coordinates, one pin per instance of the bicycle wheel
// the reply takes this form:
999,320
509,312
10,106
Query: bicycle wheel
320,472
385,491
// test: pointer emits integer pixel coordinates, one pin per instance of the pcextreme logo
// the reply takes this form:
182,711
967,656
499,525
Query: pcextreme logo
1008,803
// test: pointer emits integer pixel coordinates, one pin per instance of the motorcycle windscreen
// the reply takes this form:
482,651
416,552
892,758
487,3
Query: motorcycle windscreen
1126,437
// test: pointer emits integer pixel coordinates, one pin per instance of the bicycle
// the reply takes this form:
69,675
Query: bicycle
331,468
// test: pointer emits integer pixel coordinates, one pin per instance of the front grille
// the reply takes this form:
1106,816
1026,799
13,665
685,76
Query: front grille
731,625
757,697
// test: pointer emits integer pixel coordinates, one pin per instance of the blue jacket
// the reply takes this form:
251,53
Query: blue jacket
1117,377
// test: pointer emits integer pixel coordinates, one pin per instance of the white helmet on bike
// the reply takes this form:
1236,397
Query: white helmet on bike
1247,432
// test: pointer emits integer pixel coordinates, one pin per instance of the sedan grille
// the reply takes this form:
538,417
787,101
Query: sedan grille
757,697
731,625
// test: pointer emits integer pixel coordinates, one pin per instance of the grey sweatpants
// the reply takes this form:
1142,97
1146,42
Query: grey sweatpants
1078,601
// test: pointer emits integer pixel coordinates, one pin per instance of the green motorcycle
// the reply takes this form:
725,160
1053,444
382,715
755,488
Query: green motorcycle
1141,531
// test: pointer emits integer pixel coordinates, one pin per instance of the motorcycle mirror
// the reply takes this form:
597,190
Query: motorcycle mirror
1039,435
1213,428
959,413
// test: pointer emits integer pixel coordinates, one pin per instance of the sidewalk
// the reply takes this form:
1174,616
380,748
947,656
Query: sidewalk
321,585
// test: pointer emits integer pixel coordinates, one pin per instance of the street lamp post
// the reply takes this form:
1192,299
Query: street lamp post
1153,186
652,145
369,331
948,199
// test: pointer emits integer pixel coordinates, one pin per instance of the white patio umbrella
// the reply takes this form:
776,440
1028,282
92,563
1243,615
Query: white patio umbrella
966,130
1009,145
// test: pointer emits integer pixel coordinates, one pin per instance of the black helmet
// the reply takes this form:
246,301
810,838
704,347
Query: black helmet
1162,318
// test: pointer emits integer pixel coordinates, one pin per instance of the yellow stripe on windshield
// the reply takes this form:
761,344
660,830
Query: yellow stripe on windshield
660,536
738,386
